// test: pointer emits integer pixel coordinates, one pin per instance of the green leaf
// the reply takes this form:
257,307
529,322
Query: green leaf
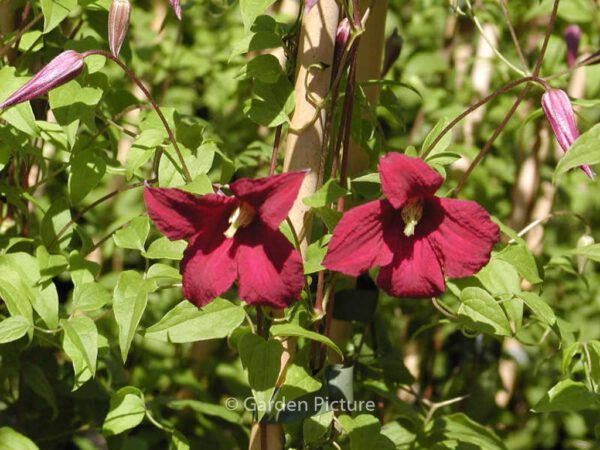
13,328
127,410
479,310
315,428
265,68
72,104
326,195
187,323
87,170
314,256
130,300
520,258
262,362
261,40
585,150
442,145
36,379
162,271
539,307
19,116
500,277
567,395
57,217
134,235
461,428
80,343
90,297
21,290
589,251
364,431
11,440
55,11
206,409
163,248
289,329
272,103
251,9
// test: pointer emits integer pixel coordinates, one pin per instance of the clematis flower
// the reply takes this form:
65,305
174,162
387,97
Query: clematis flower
413,236
234,237
559,112
572,37
61,69
176,8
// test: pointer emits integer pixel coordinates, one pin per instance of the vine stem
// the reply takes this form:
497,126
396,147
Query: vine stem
20,33
515,106
91,206
513,34
276,142
507,87
138,82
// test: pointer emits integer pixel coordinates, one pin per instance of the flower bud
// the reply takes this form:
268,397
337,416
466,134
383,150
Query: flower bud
583,241
176,8
118,23
559,112
341,39
572,36
61,69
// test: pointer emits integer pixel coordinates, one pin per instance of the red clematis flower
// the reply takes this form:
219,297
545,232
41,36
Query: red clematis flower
415,237
234,237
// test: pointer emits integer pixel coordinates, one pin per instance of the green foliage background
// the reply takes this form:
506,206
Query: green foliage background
98,348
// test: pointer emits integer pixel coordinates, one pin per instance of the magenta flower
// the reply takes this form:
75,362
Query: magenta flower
234,237
572,36
118,24
176,8
559,112
61,69
413,236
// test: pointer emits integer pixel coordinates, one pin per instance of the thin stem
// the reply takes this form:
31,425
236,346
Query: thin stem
91,206
492,46
20,33
507,87
138,82
513,35
490,141
276,142
515,106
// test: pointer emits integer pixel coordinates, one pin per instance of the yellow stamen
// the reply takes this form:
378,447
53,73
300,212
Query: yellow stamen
411,214
241,217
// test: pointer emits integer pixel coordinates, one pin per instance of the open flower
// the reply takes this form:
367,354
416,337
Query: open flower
61,69
559,112
415,237
234,237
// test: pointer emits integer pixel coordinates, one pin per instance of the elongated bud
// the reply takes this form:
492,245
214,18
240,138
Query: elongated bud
583,241
118,24
559,112
341,39
61,69
176,8
572,36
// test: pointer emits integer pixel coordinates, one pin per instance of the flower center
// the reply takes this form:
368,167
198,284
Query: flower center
241,217
411,214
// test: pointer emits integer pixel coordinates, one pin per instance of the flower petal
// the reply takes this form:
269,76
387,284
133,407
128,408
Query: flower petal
181,215
414,272
272,196
269,269
358,241
404,177
208,269
464,236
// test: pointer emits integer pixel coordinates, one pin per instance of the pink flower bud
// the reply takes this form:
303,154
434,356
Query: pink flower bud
341,39
176,8
61,69
118,23
572,36
559,112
